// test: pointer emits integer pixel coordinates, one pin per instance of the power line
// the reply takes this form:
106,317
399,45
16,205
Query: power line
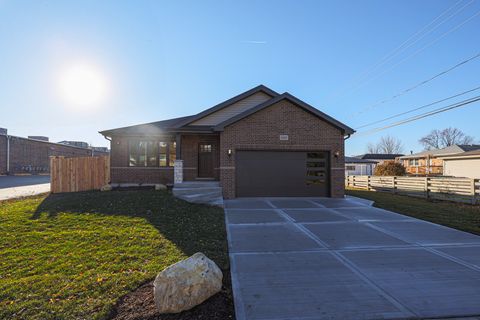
418,108
404,45
401,93
422,48
421,116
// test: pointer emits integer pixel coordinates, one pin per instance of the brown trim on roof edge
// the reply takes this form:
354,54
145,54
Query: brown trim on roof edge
285,96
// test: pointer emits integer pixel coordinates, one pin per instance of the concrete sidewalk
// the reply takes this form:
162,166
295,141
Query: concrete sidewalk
322,258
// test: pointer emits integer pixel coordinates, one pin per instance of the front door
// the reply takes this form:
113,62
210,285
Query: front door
205,160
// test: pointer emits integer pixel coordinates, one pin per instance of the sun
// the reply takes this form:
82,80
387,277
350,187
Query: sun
83,85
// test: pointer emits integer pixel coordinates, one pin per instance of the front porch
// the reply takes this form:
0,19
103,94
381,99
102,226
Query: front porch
197,158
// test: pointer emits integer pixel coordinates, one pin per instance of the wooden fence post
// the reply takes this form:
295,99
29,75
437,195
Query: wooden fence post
394,184
472,190
427,179
368,183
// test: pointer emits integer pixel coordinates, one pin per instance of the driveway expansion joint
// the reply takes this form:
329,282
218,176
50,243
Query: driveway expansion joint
255,295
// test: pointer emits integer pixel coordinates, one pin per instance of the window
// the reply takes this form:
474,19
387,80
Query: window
162,154
316,168
144,153
173,154
205,148
413,162
350,168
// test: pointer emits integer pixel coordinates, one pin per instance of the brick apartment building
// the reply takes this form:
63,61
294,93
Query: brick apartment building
27,155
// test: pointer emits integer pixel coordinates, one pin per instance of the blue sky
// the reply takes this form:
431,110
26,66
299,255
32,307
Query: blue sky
169,59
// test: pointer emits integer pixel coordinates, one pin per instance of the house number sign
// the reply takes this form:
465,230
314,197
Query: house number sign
284,137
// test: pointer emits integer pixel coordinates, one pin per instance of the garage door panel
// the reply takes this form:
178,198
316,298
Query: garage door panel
281,173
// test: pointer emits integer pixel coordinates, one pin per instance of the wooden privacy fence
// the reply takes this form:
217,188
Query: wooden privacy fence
442,188
78,174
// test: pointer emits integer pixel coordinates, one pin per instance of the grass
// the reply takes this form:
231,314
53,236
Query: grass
71,256
459,216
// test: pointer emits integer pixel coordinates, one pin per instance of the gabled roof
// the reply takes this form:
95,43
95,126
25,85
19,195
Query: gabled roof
183,124
296,101
379,156
464,155
226,103
454,149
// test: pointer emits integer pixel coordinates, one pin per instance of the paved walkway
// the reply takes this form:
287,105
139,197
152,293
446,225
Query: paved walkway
319,258
23,186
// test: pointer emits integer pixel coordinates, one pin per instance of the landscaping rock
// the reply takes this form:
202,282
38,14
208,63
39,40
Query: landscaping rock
186,284
106,187
160,187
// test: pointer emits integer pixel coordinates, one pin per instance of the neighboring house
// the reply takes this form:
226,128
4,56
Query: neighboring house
359,167
430,162
259,143
379,158
466,164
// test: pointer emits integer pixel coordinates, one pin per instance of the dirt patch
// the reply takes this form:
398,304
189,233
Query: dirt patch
139,305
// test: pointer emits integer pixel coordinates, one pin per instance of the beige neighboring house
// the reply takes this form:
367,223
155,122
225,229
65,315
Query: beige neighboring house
430,162
466,164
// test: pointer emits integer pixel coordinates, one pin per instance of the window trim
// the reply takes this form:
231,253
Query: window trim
157,142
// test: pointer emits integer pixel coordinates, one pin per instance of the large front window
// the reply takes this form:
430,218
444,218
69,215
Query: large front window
151,153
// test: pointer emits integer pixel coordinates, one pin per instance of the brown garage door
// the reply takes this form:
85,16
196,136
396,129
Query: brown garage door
282,174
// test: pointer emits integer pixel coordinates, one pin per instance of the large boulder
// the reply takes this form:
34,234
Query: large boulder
186,284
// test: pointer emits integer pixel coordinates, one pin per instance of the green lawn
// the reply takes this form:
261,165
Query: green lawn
71,256
459,216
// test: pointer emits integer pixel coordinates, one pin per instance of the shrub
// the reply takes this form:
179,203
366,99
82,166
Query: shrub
390,169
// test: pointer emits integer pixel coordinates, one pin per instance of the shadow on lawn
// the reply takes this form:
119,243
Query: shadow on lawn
191,227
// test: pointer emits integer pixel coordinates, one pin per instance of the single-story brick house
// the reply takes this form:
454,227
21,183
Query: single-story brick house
259,143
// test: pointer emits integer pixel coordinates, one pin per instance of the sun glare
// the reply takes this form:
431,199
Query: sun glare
83,85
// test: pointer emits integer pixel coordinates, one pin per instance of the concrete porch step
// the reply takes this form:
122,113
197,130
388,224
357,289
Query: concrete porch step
189,191
203,195
197,184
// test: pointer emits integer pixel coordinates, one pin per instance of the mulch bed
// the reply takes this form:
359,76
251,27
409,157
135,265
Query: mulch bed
139,305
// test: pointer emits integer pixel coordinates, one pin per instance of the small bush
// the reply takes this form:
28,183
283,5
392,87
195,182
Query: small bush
390,169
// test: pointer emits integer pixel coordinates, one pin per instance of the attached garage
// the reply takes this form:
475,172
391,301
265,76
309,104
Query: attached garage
282,174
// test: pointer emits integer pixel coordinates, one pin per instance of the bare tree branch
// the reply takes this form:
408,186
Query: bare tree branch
438,139
386,145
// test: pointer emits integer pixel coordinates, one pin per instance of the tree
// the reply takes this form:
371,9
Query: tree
390,169
438,139
386,145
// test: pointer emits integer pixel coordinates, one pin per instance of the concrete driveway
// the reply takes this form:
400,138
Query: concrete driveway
319,258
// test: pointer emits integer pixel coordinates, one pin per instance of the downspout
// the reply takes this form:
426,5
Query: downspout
348,136
8,154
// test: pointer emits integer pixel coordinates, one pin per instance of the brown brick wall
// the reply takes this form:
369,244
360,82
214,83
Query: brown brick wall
162,175
261,131
118,152
33,156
